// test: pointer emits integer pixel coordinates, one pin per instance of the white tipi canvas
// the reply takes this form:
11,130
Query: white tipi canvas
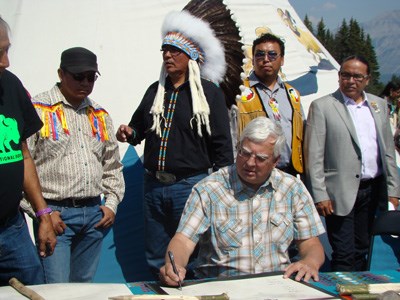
126,36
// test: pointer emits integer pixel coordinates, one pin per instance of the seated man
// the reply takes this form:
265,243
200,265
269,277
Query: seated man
245,216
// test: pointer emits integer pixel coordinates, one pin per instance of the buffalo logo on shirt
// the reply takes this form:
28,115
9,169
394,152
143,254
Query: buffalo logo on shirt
9,134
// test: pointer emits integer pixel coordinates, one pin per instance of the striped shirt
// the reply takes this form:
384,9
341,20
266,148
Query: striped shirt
242,231
76,152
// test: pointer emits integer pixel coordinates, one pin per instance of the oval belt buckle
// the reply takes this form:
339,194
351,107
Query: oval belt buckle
165,177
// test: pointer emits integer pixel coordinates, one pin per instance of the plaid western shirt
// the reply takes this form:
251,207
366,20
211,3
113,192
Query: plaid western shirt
242,231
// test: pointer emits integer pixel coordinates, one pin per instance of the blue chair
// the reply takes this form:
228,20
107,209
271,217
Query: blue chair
384,249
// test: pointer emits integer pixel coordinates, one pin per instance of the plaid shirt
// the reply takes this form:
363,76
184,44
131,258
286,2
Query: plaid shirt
241,231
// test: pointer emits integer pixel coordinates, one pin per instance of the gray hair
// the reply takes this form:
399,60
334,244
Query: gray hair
4,25
262,128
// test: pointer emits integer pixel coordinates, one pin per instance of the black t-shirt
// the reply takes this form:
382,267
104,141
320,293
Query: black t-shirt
18,121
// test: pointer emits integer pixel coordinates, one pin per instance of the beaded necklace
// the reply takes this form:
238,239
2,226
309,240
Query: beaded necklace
273,103
166,130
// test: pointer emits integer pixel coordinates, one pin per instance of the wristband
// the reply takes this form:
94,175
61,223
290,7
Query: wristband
43,211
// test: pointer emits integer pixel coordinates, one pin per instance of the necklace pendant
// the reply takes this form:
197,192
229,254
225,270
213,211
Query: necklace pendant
275,109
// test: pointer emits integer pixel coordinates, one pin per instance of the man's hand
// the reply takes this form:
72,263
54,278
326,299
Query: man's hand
395,202
108,218
168,276
46,236
182,247
123,133
312,257
58,224
325,208
304,271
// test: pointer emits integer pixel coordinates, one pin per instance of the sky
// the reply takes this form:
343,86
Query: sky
334,11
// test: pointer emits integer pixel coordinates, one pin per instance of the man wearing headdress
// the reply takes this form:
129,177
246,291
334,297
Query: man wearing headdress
78,162
265,94
184,120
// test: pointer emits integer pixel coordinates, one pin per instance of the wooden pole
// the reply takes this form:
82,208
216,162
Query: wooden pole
23,290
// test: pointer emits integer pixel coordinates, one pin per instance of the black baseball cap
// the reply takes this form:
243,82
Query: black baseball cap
79,60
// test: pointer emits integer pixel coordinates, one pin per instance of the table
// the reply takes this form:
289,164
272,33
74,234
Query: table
259,286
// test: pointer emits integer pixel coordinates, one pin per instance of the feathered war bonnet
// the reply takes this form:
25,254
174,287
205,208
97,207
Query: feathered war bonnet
203,30
194,37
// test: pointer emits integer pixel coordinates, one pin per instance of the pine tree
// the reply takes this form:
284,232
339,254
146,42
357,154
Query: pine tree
343,46
350,39
325,36
329,41
395,78
375,86
356,38
321,31
308,24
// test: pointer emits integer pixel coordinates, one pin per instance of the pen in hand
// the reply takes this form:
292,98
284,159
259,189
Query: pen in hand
171,258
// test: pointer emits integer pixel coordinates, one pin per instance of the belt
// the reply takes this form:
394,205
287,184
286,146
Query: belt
368,182
75,202
170,178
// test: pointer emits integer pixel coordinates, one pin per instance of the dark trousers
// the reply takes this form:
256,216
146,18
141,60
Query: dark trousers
349,235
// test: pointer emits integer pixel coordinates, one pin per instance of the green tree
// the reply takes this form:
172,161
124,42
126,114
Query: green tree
329,41
308,24
395,78
349,39
375,86
321,31
356,38
325,36
342,46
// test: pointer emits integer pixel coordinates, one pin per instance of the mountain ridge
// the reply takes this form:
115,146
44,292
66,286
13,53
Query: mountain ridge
384,31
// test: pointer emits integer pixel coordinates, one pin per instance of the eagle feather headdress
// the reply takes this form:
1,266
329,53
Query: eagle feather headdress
206,32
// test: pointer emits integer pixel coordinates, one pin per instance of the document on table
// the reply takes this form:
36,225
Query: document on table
258,288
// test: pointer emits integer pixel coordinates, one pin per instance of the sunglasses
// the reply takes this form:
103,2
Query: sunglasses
272,55
91,77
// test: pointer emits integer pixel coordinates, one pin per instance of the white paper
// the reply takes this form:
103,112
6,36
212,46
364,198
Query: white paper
69,291
259,288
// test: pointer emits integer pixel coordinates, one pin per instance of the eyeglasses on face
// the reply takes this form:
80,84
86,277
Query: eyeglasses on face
247,154
91,77
272,55
356,77
173,51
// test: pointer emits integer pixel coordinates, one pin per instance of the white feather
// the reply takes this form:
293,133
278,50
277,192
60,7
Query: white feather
200,32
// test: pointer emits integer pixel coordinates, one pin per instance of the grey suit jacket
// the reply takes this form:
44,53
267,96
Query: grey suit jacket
333,156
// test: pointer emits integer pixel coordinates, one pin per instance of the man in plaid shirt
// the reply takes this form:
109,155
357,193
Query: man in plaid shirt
245,216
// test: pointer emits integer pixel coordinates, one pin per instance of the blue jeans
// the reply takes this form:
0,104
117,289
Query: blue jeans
18,255
77,253
163,206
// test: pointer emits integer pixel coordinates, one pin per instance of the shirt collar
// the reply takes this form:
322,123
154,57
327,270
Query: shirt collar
254,80
348,100
60,98
169,85
238,186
